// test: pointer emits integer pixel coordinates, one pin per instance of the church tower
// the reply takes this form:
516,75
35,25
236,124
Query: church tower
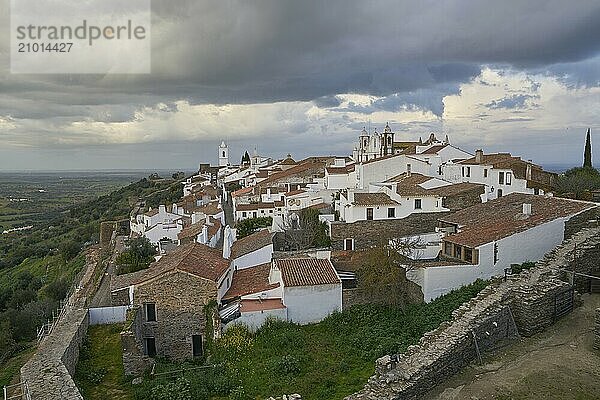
223,155
387,141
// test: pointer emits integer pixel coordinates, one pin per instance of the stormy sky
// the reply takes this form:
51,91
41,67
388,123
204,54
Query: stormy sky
304,77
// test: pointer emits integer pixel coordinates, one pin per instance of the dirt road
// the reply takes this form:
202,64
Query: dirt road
559,363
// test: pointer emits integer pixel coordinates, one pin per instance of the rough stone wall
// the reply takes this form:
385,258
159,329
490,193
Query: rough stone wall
367,234
597,330
49,371
581,221
586,263
135,362
488,317
119,297
180,299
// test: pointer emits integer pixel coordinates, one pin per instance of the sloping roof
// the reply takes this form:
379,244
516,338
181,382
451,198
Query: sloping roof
152,212
409,185
192,230
306,272
257,206
503,217
288,161
340,170
372,199
434,149
119,282
242,191
250,243
250,280
194,258
214,228
211,208
248,305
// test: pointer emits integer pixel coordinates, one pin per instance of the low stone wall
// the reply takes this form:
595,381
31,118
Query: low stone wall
49,371
597,330
524,304
135,362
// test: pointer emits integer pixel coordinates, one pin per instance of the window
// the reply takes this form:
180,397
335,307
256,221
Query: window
197,345
468,172
501,178
485,172
468,254
223,153
499,192
495,253
391,212
448,248
349,244
244,214
408,168
508,178
418,204
150,309
458,252
150,346
369,214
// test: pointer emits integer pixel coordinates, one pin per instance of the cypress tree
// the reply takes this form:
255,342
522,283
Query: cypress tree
587,155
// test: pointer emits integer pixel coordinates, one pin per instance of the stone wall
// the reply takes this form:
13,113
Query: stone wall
581,221
524,304
120,297
135,362
597,330
468,198
49,371
367,234
180,299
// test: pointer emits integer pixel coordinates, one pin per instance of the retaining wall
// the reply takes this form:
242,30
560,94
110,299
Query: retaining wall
525,302
597,330
135,362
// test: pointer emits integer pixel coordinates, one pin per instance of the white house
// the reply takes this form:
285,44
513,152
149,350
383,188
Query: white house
252,250
206,231
485,239
158,224
300,290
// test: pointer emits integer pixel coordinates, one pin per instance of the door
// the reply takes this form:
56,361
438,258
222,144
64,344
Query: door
369,214
197,345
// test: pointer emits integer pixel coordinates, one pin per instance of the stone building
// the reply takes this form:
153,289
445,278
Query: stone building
170,301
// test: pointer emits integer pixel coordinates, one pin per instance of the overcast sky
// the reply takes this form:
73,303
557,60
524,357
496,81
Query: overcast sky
304,77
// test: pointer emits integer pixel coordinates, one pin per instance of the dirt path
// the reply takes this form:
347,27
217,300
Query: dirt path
559,363
102,296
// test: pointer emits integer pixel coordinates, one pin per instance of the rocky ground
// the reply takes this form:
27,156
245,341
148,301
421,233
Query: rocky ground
559,363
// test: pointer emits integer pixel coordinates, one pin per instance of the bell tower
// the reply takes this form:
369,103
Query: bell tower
387,139
223,154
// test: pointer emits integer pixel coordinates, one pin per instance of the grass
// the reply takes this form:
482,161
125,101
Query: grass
49,269
328,360
12,367
99,373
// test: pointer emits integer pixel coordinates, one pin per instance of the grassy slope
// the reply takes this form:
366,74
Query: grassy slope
328,360
49,268
99,372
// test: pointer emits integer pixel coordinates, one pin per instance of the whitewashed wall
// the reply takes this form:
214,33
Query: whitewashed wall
530,245
258,257
107,315
308,304
255,319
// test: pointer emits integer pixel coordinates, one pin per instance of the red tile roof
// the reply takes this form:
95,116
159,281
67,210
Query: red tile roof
192,230
496,219
242,191
372,199
193,258
409,185
250,243
306,272
258,206
250,280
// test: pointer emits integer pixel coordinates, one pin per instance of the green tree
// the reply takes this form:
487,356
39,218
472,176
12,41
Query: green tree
587,154
69,249
578,182
138,256
304,230
249,226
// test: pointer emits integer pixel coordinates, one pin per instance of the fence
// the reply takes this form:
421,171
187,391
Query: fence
57,314
107,315
17,391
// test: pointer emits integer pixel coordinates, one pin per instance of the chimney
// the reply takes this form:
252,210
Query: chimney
479,156
528,172
527,209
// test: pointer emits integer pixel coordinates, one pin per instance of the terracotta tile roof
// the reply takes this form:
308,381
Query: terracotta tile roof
242,191
306,272
258,206
194,258
250,280
340,170
500,218
372,199
288,161
294,192
191,231
119,282
319,206
409,185
311,165
209,209
250,243
214,228
261,305
434,149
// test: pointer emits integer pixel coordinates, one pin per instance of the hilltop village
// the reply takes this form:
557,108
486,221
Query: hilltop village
280,238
